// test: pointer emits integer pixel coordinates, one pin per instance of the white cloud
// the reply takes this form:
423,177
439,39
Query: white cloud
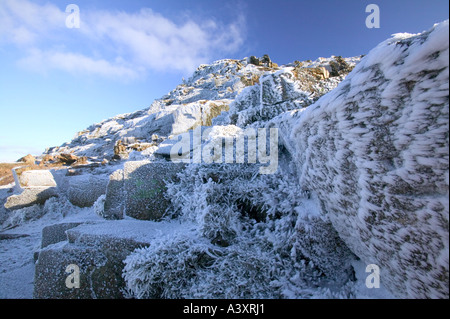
146,40
74,63
25,23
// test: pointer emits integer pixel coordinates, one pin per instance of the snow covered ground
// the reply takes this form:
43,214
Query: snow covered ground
17,253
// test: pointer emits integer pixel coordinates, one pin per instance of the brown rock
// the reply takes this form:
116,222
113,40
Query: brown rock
29,159
265,60
120,150
81,160
47,159
340,67
319,73
254,60
139,147
67,158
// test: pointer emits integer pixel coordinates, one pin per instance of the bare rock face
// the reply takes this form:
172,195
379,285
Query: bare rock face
376,152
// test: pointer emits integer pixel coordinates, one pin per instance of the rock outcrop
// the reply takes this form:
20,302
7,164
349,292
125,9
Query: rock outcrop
205,96
28,159
376,152
66,158
33,178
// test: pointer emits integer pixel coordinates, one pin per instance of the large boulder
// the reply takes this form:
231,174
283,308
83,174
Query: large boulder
98,249
33,178
145,187
28,159
115,196
84,190
138,191
376,153
30,197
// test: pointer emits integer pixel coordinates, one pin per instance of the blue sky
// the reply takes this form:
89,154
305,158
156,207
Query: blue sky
56,81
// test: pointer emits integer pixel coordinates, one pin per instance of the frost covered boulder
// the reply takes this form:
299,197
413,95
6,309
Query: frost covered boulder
97,251
30,197
145,187
376,152
33,187
84,190
56,233
138,190
33,178
114,201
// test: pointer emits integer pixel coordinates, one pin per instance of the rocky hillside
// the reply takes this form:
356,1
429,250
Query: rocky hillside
358,151
201,98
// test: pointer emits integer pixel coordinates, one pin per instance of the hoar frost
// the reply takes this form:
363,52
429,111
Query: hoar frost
255,236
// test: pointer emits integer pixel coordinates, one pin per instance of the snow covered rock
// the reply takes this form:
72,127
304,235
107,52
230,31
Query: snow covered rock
84,190
34,187
98,250
207,93
56,233
289,88
376,152
138,190
113,207
145,187
33,178
29,197
362,171
194,102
